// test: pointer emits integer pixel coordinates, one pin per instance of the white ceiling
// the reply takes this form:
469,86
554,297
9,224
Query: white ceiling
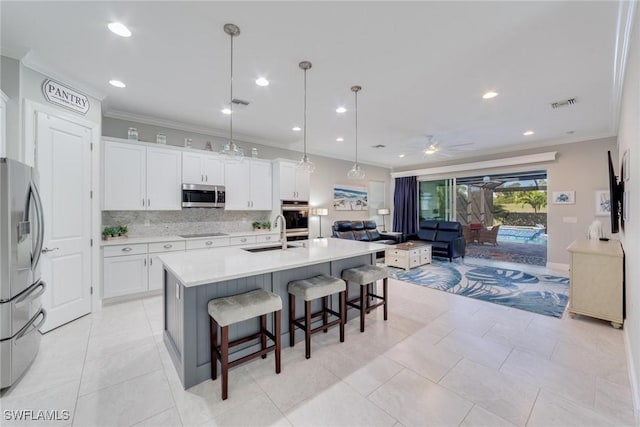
423,67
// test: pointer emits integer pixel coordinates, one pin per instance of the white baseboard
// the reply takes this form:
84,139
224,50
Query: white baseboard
557,266
633,377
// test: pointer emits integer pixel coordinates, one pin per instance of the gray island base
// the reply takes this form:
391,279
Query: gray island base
191,279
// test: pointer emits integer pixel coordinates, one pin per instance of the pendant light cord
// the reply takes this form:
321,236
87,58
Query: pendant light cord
356,128
304,125
231,98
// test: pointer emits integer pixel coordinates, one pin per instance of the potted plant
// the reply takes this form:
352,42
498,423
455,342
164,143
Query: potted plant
261,225
118,231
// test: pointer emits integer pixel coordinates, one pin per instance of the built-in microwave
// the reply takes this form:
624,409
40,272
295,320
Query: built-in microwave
203,196
296,216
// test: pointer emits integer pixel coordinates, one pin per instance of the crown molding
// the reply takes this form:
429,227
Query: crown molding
487,164
624,27
30,61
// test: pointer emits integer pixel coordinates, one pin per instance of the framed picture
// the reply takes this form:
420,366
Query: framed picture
563,197
603,203
626,174
348,198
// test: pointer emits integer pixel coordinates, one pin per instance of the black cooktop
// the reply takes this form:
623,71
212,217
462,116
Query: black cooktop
191,236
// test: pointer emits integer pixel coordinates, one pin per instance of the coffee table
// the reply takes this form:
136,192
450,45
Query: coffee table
408,255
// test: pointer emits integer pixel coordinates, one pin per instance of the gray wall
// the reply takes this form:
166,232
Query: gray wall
628,137
328,171
580,167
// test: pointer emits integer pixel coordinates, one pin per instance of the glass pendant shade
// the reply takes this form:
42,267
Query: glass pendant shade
230,151
356,172
305,163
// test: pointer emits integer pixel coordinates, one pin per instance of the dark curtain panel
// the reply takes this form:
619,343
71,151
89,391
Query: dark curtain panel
405,205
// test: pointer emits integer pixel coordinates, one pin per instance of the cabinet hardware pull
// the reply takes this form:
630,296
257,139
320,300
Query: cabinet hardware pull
142,202
144,262
206,178
243,240
177,291
209,243
45,250
168,246
127,249
148,202
151,261
268,238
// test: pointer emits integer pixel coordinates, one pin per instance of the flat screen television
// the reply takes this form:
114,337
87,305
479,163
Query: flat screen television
616,190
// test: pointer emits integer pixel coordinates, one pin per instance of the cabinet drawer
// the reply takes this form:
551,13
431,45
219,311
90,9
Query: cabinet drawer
266,238
242,240
119,250
207,243
425,259
178,245
425,251
414,261
396,253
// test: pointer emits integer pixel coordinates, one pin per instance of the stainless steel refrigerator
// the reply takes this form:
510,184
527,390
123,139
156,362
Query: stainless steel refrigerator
21,239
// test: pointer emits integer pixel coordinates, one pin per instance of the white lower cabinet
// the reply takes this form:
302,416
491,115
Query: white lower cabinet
123,275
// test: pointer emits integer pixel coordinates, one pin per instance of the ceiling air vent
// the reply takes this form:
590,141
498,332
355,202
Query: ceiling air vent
564,103
379,146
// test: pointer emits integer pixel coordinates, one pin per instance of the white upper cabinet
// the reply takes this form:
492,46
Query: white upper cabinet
248,185
202,169
291,183
3,125
125,176
140,178
164,170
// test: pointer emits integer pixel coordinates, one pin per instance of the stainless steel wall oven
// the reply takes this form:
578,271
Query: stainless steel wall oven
296,215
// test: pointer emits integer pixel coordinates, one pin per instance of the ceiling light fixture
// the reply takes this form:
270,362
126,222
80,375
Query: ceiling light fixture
305,164
529,132
341,110
401,155
261,81
226,111
230,150
296,128
489,95
339,139
356,172
119,29
117,83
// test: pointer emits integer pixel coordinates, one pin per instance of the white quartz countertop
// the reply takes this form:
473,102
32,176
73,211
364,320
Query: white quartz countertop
195,268
173,238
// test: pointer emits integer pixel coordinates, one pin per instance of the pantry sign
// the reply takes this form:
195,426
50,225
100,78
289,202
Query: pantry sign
59,94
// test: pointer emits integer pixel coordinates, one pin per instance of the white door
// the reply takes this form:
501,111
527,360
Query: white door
261,188
125,179
164,176
192,169
213,170
287,181
63,162
237,179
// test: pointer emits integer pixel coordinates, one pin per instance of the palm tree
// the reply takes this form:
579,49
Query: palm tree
535,199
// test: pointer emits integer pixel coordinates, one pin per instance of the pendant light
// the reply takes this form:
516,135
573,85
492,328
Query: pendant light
356,172
231,151
305,163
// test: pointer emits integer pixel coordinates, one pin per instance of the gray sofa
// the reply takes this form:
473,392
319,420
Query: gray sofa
364,231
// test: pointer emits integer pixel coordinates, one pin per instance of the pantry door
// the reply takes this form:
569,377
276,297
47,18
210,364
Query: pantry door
63,166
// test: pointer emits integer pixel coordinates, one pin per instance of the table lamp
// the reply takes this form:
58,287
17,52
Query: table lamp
319,212
384,212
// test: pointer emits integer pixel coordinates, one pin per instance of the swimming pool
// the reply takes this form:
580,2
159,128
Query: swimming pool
531,235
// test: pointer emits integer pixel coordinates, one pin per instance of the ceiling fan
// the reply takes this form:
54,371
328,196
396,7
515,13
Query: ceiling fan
434,147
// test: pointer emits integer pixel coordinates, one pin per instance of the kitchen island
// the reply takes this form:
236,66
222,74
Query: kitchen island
193,278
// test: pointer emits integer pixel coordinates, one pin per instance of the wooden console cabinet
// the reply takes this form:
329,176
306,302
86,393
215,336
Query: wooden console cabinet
597,280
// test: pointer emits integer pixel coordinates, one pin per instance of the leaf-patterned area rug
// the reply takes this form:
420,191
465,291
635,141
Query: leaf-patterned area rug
538,293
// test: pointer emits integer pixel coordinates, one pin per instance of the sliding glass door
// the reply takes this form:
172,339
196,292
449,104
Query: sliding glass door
436,199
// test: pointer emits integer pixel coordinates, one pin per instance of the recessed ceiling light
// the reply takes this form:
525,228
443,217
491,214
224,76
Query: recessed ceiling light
119,29
117,83
341,110
401,155
489,95
226,111
261,81
529,132
340,139
296,128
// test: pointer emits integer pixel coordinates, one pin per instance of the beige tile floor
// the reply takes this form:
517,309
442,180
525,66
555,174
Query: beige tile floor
440,360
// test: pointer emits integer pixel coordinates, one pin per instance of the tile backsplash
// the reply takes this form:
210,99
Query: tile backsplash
186,221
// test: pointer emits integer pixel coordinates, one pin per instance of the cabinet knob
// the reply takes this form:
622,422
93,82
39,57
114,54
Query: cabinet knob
243,240
168,246
127,249
209,243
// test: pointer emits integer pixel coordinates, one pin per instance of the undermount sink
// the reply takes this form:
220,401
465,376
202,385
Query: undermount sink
267,248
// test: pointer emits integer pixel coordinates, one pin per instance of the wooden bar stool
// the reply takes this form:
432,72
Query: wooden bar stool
364,276
228,310
320,286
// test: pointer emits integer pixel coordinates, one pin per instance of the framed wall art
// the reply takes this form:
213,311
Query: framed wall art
563,197
603,203
350,198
